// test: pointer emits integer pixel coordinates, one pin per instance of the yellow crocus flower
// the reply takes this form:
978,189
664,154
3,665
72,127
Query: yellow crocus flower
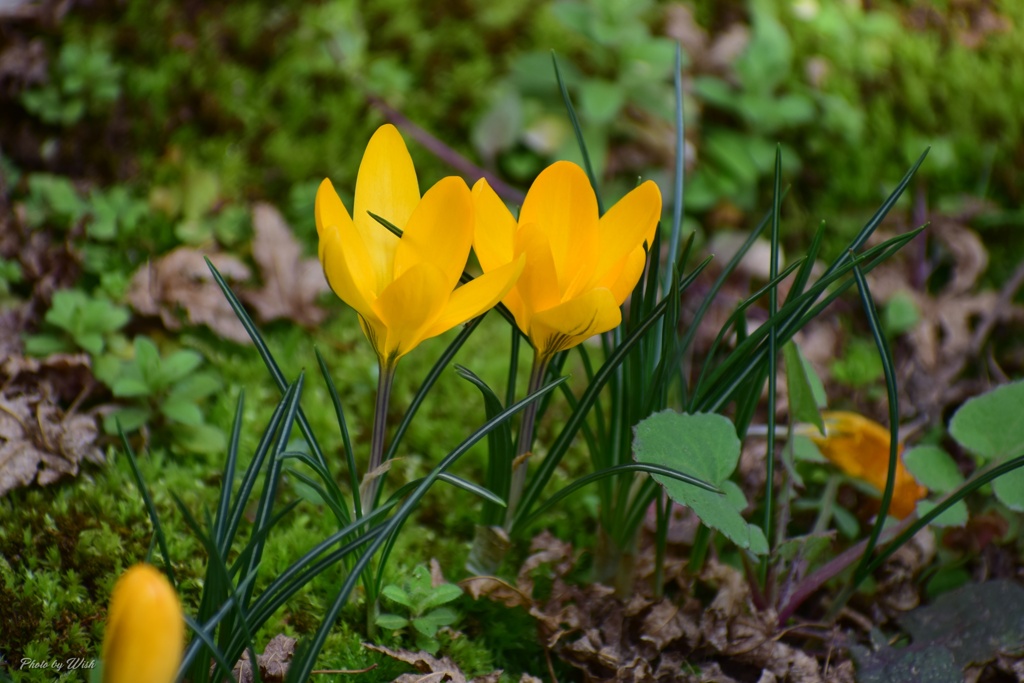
145,634
860,448
579,267
404,290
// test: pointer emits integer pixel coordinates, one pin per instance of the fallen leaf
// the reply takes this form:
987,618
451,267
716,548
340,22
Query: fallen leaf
273,663
432,669
39,443
291,283
181,280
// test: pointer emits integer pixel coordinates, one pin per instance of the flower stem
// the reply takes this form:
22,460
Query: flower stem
373,476
524,445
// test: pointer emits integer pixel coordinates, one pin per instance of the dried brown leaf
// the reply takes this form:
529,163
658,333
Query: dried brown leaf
431,668
291,283
39,443
273,663
181,281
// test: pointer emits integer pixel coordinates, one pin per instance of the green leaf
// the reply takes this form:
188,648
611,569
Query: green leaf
992,425
397,594
900,314
46,344
178,365
183,410
147,360
954,516
392,622
131,418
1009,489
130,386
705,446
203,438
600,100
197,386
446,592
806,393
431,621
934,468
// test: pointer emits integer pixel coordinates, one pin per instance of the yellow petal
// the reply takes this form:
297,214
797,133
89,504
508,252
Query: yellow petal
537,287
574,321
145,634
408,306
628,224
562,203
622,278
860,447
495,231
386,186
440,231
343,254
476,297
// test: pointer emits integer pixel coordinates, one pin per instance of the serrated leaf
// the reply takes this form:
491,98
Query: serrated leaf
705,446
992,425
806,395
392,622
933,468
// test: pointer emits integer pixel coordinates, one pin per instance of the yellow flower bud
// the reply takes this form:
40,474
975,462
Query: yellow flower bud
145,634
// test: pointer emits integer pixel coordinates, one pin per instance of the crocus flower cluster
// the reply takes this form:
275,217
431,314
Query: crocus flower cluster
562,270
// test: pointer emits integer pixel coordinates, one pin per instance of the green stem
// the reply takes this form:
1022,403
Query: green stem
525,443
371,488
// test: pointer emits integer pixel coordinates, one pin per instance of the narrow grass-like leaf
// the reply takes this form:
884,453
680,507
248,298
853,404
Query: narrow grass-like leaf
475,489
228,479
158,528
680,170
302,667
346,441
574,120
501,452
268,358
773,356
889,371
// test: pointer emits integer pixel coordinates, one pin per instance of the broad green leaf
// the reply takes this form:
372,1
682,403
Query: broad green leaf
130,419
954,516
1009,489
933,468
46,344
147,359
130,385
806,394
601,100
705,446
202,438
992,425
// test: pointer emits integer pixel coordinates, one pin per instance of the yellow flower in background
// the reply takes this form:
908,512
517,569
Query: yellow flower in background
145,634
404,290
579,267
860,447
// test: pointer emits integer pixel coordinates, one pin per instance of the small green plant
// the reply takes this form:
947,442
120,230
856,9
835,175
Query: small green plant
84,80
162,389
10,274
76,322
423,606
